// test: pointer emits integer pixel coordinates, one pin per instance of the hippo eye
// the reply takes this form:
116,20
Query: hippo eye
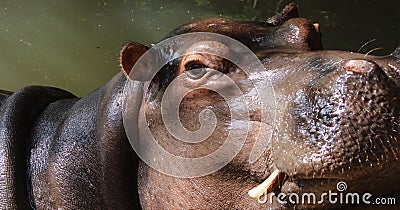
195,70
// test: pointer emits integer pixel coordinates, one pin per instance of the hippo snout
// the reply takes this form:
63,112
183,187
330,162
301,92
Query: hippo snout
336,117
342,125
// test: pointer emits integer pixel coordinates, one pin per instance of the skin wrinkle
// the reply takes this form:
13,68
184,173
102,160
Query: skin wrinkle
23,106
41,164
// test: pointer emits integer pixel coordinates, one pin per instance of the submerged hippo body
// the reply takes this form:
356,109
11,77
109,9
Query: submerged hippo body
336,119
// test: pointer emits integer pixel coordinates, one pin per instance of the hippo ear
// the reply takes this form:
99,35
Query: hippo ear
130,53
290,11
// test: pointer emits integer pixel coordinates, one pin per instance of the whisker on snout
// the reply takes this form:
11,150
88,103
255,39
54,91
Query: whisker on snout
365,44
373,50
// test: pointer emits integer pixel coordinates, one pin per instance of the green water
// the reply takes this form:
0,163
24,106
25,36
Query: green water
74,45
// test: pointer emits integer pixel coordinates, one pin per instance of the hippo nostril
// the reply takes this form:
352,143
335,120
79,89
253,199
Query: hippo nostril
360,66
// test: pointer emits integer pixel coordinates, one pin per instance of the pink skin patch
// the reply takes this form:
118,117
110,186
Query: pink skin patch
360,66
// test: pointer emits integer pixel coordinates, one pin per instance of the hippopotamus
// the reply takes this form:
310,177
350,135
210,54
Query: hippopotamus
334,119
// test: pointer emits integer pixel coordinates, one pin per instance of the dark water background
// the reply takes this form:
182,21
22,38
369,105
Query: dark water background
75,44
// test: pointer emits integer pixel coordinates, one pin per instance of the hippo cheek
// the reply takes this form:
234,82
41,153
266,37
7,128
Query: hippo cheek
342,127
191,113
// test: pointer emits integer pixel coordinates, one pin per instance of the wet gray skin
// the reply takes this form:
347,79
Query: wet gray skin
335,119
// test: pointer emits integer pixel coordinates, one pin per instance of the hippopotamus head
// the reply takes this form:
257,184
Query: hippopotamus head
326,118
237,115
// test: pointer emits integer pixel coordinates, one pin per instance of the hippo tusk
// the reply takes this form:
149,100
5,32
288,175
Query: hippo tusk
316,26
262,188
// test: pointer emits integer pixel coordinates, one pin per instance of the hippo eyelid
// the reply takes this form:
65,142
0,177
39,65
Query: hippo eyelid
194,65
196,74
195,70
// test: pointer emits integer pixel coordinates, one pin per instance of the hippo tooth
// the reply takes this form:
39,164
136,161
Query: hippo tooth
262,188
